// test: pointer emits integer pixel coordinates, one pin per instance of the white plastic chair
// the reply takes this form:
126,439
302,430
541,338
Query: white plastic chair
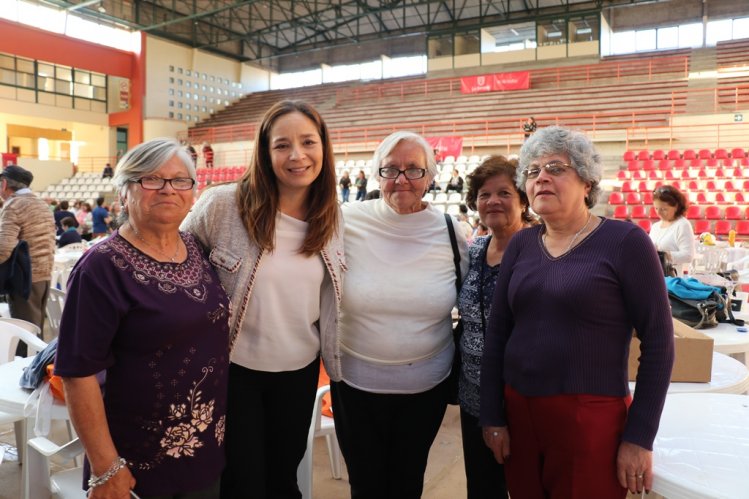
321,426
11,332
62,485
55,304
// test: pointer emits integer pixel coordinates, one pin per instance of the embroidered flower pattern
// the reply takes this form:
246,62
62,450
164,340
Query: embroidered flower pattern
181,440
220,429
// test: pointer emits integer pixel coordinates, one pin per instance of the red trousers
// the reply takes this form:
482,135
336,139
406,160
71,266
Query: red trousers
564,446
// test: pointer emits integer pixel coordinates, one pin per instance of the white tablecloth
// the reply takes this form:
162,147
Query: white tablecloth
702,447
728,376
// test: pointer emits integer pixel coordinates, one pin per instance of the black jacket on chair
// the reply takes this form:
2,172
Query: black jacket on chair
15,272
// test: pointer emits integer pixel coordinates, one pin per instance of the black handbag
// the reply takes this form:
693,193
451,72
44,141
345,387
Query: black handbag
452,379
699,314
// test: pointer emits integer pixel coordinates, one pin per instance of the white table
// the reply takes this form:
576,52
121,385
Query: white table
728,376
702,447
13,399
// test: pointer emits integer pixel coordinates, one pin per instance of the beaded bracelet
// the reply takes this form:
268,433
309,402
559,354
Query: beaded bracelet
94,481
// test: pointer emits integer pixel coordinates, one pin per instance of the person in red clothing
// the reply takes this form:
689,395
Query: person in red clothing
554,388
208,155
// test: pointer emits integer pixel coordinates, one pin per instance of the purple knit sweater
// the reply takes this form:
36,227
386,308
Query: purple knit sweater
563,325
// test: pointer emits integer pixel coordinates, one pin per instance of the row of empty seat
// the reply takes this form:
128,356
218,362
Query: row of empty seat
716,185
658,154
668,164
694,212
719,227
685,174
738,199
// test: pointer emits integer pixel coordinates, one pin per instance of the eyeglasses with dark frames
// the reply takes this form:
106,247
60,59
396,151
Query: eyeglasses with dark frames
158,183
554,168
392,173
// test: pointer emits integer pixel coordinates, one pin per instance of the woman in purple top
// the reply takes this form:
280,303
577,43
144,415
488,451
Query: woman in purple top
554,391
146,307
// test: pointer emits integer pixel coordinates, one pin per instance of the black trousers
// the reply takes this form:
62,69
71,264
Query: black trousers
485,477
267,421
385,439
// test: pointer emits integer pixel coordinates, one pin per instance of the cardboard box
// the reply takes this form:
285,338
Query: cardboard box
694,355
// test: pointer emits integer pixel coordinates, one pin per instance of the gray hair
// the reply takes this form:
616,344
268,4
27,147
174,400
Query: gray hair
584,157
388,144
14,185
144,160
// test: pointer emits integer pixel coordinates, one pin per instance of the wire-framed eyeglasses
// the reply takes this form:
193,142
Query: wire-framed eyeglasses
391,173
554,168
157,183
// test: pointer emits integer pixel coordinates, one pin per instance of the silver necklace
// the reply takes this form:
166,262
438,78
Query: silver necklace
172,258
574,238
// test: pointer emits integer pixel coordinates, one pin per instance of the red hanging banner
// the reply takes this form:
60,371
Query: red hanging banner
476,84
517,80
446,146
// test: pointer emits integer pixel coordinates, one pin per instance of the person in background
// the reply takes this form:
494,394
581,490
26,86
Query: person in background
361,186
85,220
396,325
673,232
505,210
193,154
455,183
275,239
107,172
25,217
115,210
145,307
208,155
345,184
438,158
554,382
373,194
61,212
100,219
69,234
529,127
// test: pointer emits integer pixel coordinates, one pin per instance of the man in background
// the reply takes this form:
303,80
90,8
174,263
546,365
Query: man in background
25,217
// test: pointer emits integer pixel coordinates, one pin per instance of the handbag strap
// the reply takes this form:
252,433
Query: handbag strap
456,253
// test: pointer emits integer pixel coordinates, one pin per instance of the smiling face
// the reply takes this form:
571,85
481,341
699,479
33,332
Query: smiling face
498,204
401,194
165,206
296,152
556,195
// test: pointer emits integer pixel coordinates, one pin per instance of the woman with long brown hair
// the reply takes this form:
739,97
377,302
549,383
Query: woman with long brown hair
274,239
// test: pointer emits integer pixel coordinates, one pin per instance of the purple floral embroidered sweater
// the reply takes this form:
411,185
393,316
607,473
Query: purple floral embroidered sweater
160,331
563,325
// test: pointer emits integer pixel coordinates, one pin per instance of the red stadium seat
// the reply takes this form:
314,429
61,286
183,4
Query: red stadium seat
702,173
655,175
644,225
638,175
738,153
664,164
721,198
720,153
645,186
643,155
722,227
648,165
705,154
734,213
712,186
627,187
687,173
745,187
742,227
689,154
701,198
713,213
633,165
744,161
729,187
719,173
695,163
658,154
701,226
676,185
727,162
679,163
639,211
616,198
647,198
737,172
622,175
671,175
674,154
738,198
621,211
629,156
694,212
711,162
633,198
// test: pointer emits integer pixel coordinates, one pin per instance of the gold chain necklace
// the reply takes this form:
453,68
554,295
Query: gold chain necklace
574,238
173,258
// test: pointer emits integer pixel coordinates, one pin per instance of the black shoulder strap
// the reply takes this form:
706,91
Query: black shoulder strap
456,253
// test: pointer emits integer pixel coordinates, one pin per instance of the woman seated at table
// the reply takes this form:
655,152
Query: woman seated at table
69,234
554,380
396,325
146,307
673,233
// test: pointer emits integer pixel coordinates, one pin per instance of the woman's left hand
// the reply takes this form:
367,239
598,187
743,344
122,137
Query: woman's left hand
634,467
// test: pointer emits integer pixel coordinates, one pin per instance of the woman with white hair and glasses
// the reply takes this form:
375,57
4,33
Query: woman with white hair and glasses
555,404
396,326
146,308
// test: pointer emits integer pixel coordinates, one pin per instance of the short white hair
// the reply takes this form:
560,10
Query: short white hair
391,141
